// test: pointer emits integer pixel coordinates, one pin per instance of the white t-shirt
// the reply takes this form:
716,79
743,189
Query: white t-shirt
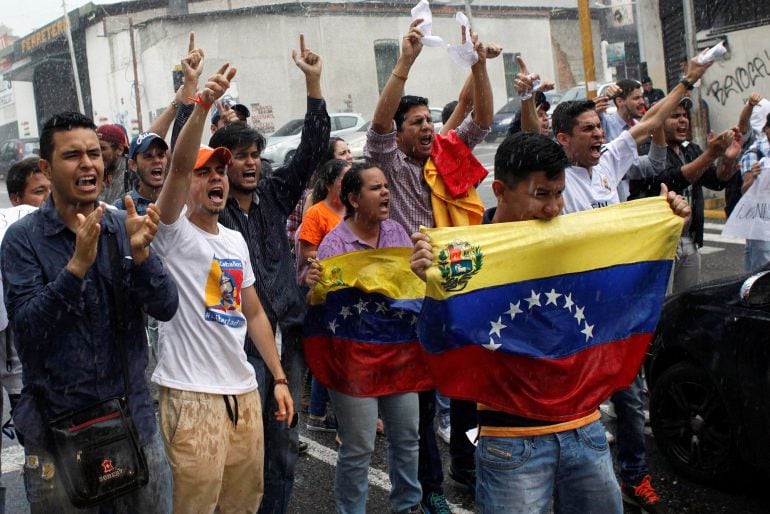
201,348
8,217
600,189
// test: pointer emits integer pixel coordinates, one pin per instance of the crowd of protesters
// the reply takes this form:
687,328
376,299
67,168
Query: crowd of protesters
217,252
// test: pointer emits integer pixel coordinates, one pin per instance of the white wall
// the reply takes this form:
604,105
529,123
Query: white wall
728,83
261,50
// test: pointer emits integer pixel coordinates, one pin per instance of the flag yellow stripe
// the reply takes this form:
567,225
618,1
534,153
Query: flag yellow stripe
638,231
384,270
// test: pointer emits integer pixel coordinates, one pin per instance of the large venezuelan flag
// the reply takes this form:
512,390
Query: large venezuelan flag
361,327
546,319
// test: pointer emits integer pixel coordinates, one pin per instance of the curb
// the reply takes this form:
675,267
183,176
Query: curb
718,214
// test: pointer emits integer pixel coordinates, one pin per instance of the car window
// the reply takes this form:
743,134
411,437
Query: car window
31,147
345,122
8,152
292,128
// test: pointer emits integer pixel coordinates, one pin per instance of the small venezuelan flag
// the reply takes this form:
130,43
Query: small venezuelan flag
546,319
361,327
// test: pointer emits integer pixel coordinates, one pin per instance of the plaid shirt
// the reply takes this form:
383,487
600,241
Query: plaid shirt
760,148
409,193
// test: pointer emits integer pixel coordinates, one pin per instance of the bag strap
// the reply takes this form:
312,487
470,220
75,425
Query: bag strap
116,263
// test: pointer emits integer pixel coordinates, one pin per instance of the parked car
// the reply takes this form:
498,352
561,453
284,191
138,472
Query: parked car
503,118
13,150
709,378
282,145
579,93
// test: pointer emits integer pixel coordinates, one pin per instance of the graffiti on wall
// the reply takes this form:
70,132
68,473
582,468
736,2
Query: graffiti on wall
742,81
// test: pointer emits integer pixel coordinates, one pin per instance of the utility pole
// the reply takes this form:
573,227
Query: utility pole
136,75
586,38
697,125
75,74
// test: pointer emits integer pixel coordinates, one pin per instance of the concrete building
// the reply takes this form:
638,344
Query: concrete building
358,41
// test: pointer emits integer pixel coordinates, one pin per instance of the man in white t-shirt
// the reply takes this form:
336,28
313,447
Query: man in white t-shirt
210,411
591,182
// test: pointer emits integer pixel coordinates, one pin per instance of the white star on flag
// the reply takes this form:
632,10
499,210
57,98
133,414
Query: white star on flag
345,312
579,314
492,345
568,303
333,326
381,307
399,314
361,305
588,330
514,310
415,319
496,327
534,299
552,297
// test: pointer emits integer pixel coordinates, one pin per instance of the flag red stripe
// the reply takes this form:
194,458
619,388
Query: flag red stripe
367,369
544,389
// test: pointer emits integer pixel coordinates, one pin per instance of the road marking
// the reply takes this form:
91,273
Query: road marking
13,458
719,238
376,477
706,250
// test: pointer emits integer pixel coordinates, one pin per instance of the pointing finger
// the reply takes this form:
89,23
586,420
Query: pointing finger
129,204
522,65
302,43
223,68
191,46
231,73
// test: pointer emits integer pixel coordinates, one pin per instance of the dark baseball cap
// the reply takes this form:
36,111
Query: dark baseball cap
142,142
234,106
112,133
645,80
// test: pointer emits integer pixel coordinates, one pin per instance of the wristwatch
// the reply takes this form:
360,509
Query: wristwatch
689,85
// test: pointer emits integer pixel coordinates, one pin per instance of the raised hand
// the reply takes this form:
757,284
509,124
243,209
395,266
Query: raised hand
307,61
524,81
86,242
754,99
493,50
733,151
227,114
192,63
141,229
217,84
411,43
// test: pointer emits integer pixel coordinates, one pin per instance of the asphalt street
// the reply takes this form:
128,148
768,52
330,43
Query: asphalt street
315,470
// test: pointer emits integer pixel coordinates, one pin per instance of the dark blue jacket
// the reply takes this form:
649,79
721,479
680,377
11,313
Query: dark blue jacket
64,326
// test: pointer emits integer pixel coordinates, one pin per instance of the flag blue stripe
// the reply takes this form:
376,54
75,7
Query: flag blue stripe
379,319
613,303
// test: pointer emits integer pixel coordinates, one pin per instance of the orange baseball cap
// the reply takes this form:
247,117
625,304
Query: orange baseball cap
206,152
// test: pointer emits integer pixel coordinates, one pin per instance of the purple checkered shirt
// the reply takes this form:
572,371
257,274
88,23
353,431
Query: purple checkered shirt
409,193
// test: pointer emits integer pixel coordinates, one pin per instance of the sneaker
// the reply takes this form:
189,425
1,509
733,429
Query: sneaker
465,477
327,424
443,432
643,496
303,447
435,503
610,437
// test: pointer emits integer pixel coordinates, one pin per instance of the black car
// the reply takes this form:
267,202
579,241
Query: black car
503,118
709,378
12,150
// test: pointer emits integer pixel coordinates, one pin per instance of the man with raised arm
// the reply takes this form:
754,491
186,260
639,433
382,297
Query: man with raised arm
210,411
258,207
400,140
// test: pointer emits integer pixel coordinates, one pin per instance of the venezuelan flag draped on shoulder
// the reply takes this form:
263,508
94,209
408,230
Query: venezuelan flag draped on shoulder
546,319
361,327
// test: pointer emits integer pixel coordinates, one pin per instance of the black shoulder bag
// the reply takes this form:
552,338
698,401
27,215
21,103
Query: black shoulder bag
96,448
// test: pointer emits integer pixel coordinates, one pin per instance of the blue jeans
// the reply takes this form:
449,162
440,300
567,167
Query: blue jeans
357,427
523,474
756,254
319,398
632,454
281,442
46,494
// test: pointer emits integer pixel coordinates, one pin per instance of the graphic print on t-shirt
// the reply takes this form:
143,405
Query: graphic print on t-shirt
223,293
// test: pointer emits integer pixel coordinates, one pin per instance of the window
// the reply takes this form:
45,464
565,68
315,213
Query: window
511,68
385,57
345,122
